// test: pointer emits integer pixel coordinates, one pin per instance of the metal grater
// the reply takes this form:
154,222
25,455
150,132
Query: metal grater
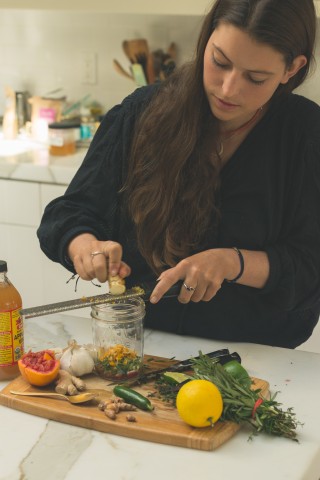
77,303
142,291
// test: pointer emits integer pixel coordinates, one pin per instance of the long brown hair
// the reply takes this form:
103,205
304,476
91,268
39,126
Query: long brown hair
173,177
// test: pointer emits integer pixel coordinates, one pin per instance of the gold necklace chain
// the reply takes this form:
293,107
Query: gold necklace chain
232,133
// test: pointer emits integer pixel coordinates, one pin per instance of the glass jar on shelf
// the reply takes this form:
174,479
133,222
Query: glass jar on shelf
118,338
63,137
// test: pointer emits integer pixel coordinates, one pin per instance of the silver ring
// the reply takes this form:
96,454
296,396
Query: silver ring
93,254
190,289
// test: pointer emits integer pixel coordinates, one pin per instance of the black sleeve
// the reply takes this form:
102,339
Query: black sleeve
294,282
91,201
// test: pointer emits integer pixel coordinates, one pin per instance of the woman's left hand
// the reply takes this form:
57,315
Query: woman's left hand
202,275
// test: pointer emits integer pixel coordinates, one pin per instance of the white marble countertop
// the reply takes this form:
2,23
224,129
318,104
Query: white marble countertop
24,159
33,448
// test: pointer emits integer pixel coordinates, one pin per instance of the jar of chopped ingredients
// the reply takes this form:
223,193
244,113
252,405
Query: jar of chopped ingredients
118,338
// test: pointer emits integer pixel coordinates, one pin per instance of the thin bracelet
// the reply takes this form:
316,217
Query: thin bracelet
241,265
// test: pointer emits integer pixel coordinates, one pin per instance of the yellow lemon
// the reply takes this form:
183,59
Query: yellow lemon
199,403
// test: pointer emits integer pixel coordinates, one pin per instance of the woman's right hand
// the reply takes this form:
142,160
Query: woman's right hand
93,258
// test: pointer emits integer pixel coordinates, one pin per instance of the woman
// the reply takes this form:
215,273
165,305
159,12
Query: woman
212,178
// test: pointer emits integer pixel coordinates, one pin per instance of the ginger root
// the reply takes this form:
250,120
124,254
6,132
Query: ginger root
68,384
115,405
131,418
117,285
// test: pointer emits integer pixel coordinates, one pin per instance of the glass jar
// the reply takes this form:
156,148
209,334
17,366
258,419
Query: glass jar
62,138
118,338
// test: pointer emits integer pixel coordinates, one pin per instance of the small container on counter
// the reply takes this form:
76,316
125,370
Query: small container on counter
118,338
63,137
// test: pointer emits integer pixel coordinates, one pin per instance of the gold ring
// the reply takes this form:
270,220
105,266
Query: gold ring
190,289
93,254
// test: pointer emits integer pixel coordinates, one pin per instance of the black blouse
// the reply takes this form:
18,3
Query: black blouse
270,200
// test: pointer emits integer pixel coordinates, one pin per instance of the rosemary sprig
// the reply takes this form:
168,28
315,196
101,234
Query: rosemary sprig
167,392
241,404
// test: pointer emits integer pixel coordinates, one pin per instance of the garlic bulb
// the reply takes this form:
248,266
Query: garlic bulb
76,359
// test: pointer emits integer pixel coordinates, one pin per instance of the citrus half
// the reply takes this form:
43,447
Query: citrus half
199,403
39,368
174,378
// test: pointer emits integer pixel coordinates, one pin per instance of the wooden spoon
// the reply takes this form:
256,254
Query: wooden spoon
79,398
118,67
127,51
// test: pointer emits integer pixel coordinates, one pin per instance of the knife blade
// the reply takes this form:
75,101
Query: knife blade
144,291
223,355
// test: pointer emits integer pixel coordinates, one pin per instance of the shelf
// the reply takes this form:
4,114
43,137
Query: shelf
164,7
141,7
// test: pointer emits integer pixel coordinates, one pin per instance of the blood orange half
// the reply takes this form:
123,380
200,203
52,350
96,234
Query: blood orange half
39,368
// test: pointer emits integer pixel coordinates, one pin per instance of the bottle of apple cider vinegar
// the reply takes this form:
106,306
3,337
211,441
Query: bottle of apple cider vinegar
11,326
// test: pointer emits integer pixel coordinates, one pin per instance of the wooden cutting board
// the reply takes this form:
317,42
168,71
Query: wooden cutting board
163,425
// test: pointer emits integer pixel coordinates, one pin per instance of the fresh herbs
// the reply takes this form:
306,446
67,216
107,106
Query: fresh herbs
244,405
241,404
167,392
118,362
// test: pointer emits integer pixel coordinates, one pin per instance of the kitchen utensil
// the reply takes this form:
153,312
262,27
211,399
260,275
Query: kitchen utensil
79,398
224,356
172,51
134,48
137,51
126,49
71,109
22,109
164,63
144,291
119,68
139,75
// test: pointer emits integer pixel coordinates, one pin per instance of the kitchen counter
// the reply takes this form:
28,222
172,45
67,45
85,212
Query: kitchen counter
26,160
33,448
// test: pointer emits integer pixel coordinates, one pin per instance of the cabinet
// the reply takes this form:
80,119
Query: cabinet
38,279
19,203
19,217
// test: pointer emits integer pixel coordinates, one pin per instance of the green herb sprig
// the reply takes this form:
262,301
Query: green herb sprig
166,392
244,405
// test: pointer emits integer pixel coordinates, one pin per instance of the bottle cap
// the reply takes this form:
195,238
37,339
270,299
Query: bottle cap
3,266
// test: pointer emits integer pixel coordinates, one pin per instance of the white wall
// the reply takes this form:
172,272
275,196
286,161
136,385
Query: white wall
41,50
311,87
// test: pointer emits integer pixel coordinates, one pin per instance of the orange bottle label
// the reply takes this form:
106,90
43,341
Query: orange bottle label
11,337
